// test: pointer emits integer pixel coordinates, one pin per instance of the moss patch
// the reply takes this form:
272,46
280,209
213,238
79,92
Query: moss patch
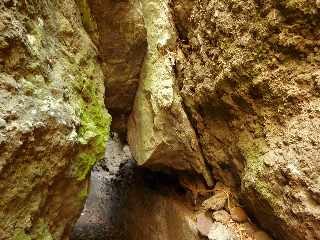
253,150
42,231
94,129
21,235
83,194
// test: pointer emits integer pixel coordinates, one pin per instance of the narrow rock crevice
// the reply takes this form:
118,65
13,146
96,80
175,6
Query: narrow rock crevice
216,100
219,90
122,42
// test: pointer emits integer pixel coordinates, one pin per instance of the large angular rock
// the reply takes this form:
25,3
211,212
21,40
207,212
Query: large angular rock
159,131
249,75
53,123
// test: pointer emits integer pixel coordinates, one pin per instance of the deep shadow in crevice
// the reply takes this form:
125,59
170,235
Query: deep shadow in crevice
120,192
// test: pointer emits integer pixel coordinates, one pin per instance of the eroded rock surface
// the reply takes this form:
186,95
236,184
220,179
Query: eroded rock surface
122,44
240,80
159,132
53,123
249,75
227,89
127,202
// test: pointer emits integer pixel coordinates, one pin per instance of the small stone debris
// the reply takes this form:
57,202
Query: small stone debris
3,123
218,231
204,224
221,216
216,202
261,235
238,214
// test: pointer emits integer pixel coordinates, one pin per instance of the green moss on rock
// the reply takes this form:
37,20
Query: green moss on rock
42,231
94,128
21,235
84,193
253,150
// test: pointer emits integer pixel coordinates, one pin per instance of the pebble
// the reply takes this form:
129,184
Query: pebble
3,123
216,202
204,223
218,231
221,216
261,235
238,214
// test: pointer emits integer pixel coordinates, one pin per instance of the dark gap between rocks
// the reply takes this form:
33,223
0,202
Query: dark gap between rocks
118,193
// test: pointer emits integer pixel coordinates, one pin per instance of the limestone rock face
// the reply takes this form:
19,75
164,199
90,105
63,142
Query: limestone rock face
53,123
159,131
249,76
122,44
235,84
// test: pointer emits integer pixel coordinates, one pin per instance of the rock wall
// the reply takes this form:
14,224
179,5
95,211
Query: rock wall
127,202
240,80
159,131
223,88
53,123
122,46
249,74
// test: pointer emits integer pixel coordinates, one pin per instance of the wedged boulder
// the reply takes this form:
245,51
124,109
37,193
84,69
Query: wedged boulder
159,132
249,75
53,122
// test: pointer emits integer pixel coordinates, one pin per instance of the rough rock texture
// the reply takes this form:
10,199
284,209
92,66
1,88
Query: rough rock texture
249,75
159,132
122,44
235,84
227,88
111,179
53,123
218,231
